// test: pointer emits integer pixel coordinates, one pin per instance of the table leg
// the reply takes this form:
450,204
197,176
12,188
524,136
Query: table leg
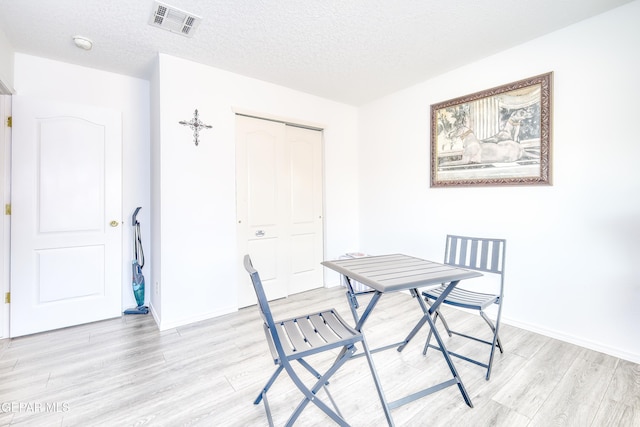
428,311
360,320
365,315
420,324
367,311
447,357
426,318
351,297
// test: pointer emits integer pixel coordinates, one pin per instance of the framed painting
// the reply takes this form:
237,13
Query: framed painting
500,136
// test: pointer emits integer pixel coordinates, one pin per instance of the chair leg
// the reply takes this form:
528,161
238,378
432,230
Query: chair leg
493,329
268,385
436,315
452,368
333,402
267,409
309,368
427,342
495,342
444,322
324,386
493,350
310,394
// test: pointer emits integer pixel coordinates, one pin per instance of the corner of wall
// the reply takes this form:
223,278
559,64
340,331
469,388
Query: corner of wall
155,235
6,65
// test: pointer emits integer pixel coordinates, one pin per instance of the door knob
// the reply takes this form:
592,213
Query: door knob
114,223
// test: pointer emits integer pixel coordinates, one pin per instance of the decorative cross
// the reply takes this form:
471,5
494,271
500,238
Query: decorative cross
195,124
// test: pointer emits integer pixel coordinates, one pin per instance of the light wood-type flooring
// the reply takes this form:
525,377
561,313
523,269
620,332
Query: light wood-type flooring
124,372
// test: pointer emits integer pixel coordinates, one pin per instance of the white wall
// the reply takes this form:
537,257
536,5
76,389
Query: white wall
44,78
194,187
574,247
6,62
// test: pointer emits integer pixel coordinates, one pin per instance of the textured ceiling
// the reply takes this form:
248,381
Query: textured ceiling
352,51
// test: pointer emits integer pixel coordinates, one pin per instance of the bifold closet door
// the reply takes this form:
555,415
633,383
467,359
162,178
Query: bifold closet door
279,206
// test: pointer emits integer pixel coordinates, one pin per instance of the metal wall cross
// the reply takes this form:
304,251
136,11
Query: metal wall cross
195,124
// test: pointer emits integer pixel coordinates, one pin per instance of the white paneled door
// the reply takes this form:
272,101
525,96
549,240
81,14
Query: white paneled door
66,225
279,206
305,226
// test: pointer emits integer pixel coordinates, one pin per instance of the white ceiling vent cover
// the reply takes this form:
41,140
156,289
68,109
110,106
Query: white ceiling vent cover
175,20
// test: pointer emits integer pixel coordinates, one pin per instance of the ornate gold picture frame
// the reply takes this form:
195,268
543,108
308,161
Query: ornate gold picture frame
500,136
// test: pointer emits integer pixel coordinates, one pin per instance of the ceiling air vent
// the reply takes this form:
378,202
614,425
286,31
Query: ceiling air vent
175,20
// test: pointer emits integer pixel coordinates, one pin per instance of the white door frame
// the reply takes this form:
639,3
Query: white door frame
5,222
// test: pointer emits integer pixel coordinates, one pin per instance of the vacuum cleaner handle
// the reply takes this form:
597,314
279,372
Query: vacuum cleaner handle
134,221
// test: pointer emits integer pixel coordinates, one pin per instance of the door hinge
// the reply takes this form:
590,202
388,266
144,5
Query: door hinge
9,121
7,298
7,209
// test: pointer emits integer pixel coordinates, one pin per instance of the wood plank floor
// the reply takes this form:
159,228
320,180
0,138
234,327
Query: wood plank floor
125,372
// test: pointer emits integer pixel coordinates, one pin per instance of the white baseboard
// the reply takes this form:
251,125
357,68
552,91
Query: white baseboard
154,314
591,345
165,325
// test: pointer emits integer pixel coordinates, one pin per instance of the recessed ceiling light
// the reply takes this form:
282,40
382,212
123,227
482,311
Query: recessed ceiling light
83,42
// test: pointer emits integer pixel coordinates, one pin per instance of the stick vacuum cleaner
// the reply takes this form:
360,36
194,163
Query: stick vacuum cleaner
136,265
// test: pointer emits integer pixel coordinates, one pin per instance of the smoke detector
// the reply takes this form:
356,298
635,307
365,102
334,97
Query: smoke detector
82,42
175,20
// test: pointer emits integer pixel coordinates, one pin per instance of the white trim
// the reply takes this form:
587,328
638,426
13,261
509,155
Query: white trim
5,221
591,345
152,310
163,326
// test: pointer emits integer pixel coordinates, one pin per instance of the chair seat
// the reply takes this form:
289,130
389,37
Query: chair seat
309,334
463,298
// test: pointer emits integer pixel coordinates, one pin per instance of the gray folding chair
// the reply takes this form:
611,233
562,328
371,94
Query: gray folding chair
297,338
487,256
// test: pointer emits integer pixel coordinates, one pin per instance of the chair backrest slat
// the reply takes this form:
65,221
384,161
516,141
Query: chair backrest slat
263,305
475,253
